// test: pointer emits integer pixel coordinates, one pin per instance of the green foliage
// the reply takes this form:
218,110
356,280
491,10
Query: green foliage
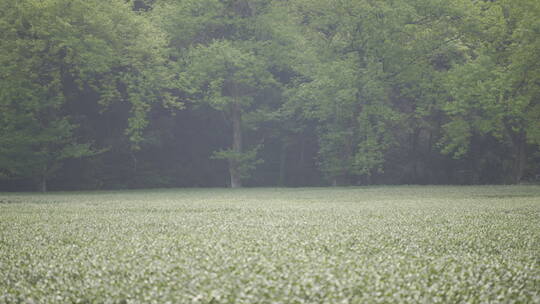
36,134
457,138
492,92
224,74
34,150
221,62
247,160
50,45
370,80
376,123
353,91
334,245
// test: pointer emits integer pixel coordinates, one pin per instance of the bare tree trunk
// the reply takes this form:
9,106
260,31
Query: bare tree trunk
520,157
414,147
234,169
43,183
282,164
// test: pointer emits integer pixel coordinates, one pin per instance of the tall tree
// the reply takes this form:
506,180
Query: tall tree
51,52
217,47
496,92
229,78
372,80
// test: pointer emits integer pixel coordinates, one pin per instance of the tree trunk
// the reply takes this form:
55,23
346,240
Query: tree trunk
414,154
520,157
43,184
282,164
234,166
299,176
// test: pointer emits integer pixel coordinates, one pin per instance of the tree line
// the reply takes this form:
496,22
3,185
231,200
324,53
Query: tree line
190,93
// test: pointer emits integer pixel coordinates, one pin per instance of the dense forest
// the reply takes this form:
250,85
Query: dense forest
211,93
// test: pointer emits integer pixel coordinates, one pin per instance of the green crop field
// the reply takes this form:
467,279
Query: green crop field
320,245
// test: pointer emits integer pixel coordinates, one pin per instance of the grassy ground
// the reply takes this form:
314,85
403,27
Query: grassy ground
321,245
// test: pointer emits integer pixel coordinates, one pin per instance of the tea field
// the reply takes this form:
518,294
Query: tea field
403,244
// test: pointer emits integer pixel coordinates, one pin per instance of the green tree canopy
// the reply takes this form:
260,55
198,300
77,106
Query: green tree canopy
50,49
